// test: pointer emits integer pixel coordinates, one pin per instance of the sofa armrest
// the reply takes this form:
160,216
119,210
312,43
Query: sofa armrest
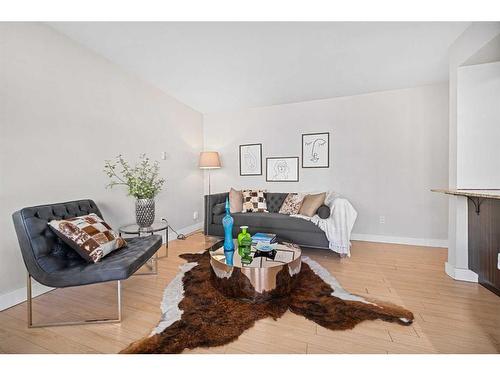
210,202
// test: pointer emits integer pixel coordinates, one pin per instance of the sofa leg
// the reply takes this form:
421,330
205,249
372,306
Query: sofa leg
56,324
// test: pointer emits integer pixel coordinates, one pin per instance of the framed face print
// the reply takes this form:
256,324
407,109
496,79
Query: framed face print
316,150
285,169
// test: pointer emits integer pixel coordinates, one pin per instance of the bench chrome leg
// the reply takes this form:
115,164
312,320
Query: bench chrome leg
153,267
55,324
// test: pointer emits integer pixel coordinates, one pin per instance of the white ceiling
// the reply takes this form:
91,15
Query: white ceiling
215,67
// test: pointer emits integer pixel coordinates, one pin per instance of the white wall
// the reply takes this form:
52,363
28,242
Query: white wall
490,52
63,111
388,149
478,122
478,38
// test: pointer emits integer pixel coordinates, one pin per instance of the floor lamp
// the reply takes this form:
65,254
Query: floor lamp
209,160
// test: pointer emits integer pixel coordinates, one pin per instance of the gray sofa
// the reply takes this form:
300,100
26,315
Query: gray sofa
298,231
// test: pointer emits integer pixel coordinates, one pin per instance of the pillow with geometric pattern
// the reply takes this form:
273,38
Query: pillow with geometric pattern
292,204
254,201
90,236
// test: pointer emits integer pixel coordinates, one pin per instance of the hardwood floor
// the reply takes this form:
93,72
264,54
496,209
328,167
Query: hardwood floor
451,316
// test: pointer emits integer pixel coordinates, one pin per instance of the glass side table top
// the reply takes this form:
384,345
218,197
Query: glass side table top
135,229
285,253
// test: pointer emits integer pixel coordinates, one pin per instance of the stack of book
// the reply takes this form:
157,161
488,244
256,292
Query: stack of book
264,241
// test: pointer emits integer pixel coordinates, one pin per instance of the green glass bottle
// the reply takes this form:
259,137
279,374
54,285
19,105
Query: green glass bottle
245,250
243,235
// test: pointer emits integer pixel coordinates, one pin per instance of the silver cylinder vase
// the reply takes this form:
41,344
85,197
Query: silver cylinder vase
145,212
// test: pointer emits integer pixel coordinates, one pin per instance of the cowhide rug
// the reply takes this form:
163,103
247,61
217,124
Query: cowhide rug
196,314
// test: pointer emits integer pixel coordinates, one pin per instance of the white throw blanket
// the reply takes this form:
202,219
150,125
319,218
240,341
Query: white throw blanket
339,225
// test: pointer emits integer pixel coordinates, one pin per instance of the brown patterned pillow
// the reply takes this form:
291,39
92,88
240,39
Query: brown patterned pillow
254,201
90,236
291,204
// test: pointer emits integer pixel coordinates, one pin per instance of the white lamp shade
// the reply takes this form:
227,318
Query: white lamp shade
209,160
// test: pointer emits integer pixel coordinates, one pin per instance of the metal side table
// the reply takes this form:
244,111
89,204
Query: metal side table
157,226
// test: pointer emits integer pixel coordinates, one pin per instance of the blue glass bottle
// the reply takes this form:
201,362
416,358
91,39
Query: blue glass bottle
229,257
227,223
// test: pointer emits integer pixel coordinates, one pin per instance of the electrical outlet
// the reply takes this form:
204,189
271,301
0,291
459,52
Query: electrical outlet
381,219
195,215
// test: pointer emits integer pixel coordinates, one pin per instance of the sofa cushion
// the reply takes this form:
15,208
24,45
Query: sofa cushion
270,221
219,208
119,265
274,201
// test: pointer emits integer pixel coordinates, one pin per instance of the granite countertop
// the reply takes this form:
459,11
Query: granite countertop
492,194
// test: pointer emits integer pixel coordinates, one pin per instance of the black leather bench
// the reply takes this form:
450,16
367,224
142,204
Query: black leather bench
53,263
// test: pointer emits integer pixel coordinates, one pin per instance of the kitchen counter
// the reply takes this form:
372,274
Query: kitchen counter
477,193
483,220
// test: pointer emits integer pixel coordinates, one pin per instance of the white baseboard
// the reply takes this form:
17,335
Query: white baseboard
461,274
186,230
429,242
18,296
191,228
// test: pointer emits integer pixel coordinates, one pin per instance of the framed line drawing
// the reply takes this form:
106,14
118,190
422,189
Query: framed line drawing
251,159
316,150
282,169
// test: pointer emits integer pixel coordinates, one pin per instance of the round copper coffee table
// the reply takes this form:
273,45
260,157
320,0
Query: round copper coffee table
268,275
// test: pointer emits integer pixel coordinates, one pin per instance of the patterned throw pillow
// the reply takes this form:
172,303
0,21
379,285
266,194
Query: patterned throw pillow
254,201
90,236
292,203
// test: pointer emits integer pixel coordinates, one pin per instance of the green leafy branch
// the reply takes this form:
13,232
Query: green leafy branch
142,180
